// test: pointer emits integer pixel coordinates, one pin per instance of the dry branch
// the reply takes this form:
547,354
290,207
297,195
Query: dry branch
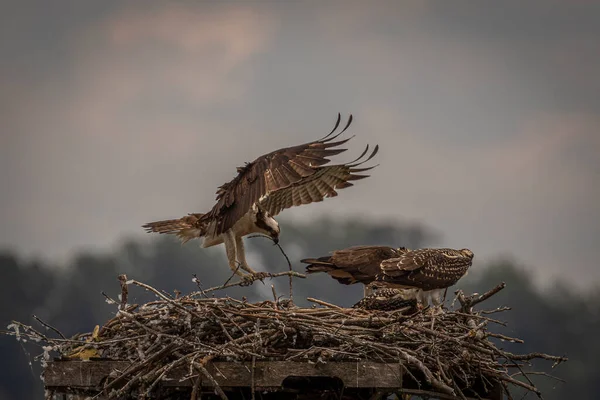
246,282
124,291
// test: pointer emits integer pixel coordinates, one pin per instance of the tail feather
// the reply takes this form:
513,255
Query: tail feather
321,264
185,228
324,264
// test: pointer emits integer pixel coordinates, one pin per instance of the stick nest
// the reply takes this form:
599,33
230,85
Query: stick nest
446,353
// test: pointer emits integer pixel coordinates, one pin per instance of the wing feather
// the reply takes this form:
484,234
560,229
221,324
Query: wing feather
302,169
323,183
354,264
284,178
291,173
426,268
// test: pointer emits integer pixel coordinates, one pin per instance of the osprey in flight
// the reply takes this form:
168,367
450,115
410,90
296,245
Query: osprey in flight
284,178
427,271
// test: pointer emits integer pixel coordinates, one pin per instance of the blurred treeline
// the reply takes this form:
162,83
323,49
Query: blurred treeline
559,320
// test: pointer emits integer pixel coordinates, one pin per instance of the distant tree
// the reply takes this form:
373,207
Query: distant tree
24,287
559,320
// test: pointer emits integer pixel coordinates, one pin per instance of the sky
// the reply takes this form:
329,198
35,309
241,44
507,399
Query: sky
117,113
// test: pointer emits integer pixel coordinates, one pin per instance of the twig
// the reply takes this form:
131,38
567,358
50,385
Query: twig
323,303
467,303
274,296
286,258
539,373
429,394
488,294
211,379
516,382
109,299
499,309
195,391
504,354
199,285
252,383
235,271
49,326
124,291
244,282
504,337
135,368
289,269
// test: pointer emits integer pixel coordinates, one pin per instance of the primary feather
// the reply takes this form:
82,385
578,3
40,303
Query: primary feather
285,178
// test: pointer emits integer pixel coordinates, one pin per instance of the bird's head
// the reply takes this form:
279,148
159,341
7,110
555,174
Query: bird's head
267,225
467,253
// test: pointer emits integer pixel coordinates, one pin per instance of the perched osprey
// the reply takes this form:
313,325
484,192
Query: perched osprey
427,271
282,179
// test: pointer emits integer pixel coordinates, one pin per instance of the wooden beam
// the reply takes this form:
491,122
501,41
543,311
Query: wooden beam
64,376
267,374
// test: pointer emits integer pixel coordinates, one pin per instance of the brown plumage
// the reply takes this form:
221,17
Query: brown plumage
428,270
387,299
285,178
355,264
278,180
185,228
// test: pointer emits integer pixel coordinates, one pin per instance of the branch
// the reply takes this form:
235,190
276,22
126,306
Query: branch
208,376
467,303
48,326
323,303
286,258
124,291
244,282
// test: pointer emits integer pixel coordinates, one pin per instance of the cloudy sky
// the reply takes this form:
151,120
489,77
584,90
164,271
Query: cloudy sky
113,114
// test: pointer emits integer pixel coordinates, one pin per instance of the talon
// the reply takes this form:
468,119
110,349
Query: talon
247,280
261,275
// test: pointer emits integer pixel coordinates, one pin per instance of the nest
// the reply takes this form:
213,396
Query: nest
445,352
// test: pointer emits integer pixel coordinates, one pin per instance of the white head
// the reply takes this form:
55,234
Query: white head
267,224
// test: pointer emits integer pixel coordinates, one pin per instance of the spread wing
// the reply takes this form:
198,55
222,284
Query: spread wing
323,183
354,264
426,268
271,172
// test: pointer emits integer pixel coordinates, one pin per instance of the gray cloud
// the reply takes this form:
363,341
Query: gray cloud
488,116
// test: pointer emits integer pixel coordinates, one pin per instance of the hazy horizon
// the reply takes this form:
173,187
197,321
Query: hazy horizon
487,114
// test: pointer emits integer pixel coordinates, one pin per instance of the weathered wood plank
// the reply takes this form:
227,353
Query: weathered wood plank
272,374
267,374
84,374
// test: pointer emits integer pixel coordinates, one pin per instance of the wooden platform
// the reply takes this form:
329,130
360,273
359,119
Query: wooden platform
267,376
